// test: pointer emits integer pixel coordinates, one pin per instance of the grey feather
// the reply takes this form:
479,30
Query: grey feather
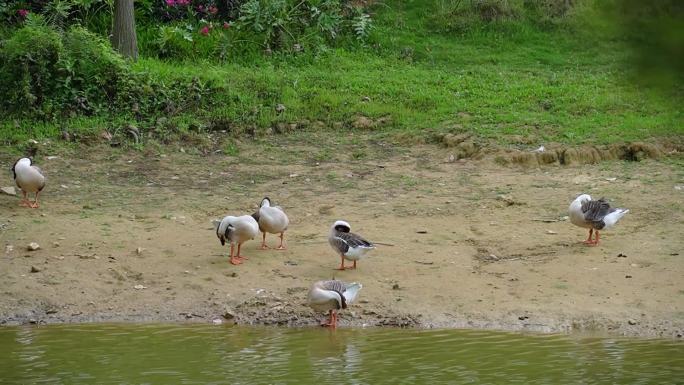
594,212
352,240
339,287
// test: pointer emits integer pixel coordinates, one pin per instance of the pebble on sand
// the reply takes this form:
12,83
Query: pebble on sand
33,246
9,190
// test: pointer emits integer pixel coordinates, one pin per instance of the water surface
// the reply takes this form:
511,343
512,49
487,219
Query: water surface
207,354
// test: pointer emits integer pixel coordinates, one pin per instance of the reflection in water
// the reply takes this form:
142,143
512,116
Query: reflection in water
206,354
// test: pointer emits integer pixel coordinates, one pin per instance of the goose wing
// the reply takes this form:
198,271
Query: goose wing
596,211
345,241
339,287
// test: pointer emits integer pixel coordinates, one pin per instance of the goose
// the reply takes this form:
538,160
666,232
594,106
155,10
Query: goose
237,230
595,215
348,245
331,296
28,178
271,219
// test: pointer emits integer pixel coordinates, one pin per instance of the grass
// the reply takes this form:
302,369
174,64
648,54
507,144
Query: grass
498,84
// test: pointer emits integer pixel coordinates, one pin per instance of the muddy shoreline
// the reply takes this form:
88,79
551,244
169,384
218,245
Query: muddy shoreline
594,325
126,237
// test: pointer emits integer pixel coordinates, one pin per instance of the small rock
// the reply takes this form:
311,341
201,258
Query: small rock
628,276
611,179
9,190
395,286
365,99
294,175
679,187
280,108
106,135
55,244
9,249
506,199
139,287
228,314
523,317
551,232
139,250
622,255
451,158
363,122
632,322
421,232
35,269
33,246
63,186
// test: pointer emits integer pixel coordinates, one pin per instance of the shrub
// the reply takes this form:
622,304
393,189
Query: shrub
46,74
91,71
30,65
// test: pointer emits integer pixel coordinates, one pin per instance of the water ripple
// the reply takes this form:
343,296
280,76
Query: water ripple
204,354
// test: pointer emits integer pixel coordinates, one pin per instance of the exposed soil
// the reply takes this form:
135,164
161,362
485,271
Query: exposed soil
127,236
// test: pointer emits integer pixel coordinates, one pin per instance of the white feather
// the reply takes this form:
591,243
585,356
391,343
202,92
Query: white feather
243,228
28,177
611,219
352,291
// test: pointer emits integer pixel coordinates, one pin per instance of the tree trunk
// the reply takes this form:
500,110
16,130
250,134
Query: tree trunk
124,38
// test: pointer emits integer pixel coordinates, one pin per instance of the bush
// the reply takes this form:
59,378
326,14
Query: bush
46,74
92,71
30,66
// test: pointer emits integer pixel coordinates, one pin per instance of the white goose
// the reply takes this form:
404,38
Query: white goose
237,230
347,244
594,215
271,219
28,178
331,296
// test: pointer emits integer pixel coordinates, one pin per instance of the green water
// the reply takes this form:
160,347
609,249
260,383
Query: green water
207,354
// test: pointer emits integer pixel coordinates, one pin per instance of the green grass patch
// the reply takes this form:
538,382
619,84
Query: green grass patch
414,77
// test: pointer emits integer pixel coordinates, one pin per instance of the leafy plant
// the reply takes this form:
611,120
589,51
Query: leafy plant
362,25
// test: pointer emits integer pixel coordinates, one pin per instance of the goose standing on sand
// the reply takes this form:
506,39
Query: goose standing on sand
29,179
347,244
271,219
332,296
237,230
594,215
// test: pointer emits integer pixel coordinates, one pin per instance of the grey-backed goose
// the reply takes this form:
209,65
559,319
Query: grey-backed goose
594,214
332,296
271,219
237,230
29,179
347,244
